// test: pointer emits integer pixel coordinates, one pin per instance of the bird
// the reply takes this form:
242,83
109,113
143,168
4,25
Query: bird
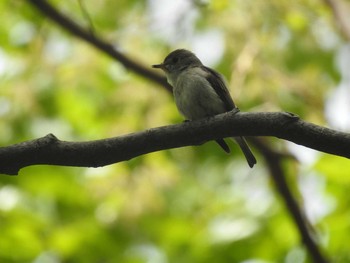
200,92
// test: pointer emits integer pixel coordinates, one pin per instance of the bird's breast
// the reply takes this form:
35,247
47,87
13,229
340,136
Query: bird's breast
194,96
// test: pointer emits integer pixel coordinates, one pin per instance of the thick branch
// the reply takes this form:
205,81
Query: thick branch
72,27
50,150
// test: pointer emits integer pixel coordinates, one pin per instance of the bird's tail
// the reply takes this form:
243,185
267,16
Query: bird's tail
246,150
244,147
223,145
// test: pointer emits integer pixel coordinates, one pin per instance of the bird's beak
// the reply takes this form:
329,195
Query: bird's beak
161,66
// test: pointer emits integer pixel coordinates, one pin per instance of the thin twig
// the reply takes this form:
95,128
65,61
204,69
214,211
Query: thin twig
87,17
76,30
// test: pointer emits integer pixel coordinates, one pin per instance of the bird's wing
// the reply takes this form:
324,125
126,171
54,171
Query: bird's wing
217,82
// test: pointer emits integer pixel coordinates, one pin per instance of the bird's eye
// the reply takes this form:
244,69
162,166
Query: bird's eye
175,60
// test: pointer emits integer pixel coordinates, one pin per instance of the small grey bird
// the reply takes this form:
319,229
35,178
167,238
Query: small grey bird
200,92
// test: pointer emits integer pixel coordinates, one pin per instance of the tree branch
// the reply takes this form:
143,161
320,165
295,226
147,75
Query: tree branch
50,150
274,163
76,30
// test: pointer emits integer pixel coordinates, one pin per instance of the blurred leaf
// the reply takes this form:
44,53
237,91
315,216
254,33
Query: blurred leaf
335,168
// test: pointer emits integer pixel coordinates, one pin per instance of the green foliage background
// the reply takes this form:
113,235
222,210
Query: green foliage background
193,204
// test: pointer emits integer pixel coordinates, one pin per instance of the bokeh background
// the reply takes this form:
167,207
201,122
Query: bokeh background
193,204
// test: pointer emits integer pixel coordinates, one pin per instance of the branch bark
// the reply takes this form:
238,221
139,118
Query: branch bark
50,150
